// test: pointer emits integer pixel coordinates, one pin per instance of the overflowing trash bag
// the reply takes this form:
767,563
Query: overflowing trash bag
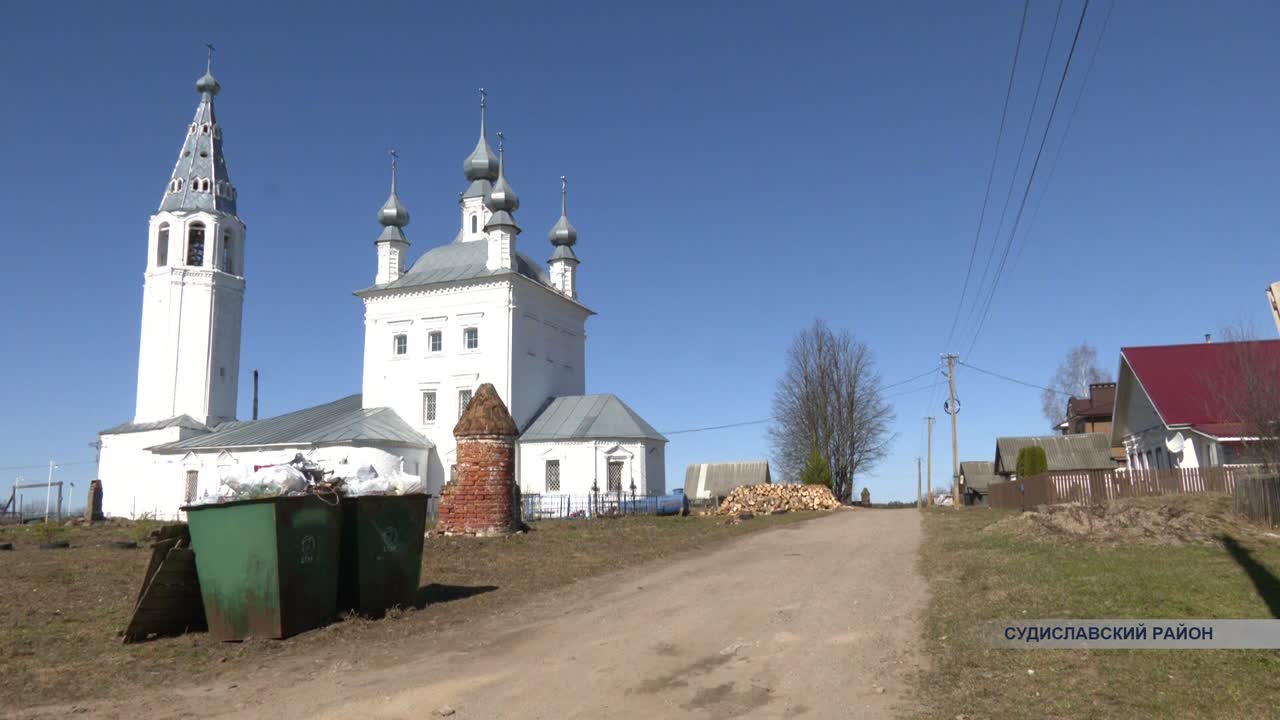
353,472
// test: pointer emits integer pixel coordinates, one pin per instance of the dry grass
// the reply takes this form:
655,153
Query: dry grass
61,610
999,566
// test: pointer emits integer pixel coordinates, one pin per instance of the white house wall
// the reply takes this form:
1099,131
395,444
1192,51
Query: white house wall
137,483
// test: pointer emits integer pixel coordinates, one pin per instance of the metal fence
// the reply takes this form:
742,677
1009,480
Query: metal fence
565,506
1090,487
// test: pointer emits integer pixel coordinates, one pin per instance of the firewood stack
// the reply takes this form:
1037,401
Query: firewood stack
765,499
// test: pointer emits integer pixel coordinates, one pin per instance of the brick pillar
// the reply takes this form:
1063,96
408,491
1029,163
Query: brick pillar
481,501
93,510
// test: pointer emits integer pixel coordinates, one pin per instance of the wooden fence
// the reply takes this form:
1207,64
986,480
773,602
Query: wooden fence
1090,487
1258,498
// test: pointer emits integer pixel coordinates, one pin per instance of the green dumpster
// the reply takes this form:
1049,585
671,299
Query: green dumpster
267,567
381,552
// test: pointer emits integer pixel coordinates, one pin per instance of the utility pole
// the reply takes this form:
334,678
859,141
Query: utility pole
953,410
48,492
929,483
919,486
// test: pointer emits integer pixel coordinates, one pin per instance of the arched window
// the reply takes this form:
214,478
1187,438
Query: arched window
228,261
474,222
195,244
162,246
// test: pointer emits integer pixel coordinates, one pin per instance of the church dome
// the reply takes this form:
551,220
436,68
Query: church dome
502,197
393,213
481,164
207,84
563,233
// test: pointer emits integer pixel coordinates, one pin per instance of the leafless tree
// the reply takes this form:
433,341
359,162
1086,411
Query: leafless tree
1248,388
830,398
1075,373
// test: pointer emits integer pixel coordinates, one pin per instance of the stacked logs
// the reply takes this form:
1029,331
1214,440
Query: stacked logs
764,499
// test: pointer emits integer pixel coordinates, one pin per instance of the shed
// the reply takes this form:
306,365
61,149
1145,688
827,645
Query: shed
1086,451
704,481
975,477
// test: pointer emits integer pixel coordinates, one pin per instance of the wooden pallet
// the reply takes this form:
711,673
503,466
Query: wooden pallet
169,602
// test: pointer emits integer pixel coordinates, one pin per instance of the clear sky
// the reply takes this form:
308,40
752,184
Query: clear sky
736,170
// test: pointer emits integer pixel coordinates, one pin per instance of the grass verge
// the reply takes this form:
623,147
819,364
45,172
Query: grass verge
979,570
61,611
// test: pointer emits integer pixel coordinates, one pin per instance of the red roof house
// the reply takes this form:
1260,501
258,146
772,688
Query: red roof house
1186,405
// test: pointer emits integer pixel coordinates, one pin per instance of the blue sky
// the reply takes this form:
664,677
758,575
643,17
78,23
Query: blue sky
735,172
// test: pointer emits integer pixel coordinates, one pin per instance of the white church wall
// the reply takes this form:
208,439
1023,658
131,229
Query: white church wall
399,381
189,350
137,483
548,350
584,463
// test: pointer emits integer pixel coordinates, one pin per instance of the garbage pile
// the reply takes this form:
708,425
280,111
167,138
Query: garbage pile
349,476
765,499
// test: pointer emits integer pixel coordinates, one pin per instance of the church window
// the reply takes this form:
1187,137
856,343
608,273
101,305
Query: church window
428,406
227,252
553,476
400,344
464,399
162,246
471,338
435,341
204,129
195,245
474,223
193,479
453,473
615,476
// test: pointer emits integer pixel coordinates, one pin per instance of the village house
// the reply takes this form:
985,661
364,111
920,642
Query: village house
1092,414
976,477
1087,451
471,311
1183,406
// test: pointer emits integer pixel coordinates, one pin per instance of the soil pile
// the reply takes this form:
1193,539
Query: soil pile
1169,520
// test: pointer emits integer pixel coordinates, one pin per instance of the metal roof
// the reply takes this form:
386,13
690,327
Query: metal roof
461,261
341,421
201,158
707,480
182,421
978,474
589,417
1085,451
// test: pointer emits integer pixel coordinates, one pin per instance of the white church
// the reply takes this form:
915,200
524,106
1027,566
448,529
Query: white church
471,311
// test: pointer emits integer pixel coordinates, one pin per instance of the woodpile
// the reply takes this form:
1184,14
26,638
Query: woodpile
765,499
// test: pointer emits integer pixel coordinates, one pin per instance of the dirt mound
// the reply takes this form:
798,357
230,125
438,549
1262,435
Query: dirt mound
1170,520
762,499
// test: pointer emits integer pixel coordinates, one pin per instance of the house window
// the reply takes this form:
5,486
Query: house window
428,406
615,476
162,246
227,264
553,476
195,245
193,477
400,344
471,338
435,341
464,399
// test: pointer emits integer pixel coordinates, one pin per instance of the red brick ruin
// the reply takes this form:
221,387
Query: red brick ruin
482,500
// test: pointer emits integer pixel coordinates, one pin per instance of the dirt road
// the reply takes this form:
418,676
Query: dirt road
813,620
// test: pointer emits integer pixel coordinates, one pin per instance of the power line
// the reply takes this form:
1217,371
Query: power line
904,382
1053,166
1022,206
718,427
1013,177
991,174
1012,380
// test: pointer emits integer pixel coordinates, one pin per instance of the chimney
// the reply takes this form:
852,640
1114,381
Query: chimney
255,394
1207,338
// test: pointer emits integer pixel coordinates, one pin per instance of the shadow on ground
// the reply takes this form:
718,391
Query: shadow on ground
438,593
1264,581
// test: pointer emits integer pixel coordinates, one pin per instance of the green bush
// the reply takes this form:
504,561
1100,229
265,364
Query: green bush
142,529
817,471
1032,461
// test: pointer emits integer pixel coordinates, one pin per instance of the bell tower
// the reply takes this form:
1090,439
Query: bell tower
193,291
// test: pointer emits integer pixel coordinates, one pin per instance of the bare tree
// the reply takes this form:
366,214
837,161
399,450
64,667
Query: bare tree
1248,389
1075,373
830,398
